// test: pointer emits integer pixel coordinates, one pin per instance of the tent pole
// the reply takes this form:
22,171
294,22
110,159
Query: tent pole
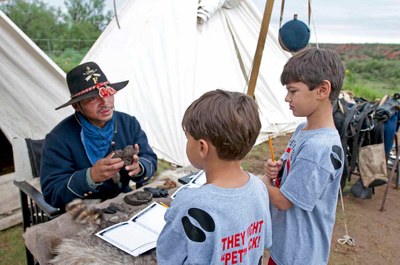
260,46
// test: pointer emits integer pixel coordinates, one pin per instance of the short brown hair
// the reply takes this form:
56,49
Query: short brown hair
229,120
314,65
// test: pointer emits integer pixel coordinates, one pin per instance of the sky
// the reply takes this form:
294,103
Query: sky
333,21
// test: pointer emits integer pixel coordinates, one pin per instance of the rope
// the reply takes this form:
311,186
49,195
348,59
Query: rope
116,14
346,239
311,17
281,16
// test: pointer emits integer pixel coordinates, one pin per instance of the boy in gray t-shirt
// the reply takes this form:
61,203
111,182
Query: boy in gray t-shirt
303,207
227,220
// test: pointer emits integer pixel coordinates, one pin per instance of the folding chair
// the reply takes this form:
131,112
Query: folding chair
34,208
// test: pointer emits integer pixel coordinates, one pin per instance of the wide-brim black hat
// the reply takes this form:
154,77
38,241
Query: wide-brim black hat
88,80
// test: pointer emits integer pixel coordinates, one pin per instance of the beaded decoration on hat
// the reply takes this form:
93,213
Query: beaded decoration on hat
88,80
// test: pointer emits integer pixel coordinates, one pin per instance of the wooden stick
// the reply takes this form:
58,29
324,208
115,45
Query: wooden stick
389,182
260,46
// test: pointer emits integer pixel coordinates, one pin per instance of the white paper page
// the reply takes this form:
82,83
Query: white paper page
199,179
186,186
129,237
151,217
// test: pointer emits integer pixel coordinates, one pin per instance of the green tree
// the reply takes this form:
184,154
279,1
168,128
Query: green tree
85,21
38,21
87,11
64,34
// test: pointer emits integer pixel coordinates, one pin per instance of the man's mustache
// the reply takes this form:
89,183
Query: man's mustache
106,108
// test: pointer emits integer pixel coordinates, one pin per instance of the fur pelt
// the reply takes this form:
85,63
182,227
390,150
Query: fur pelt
87,248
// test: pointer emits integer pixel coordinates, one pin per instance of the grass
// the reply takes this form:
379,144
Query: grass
162,166
255,159
370,90
12,249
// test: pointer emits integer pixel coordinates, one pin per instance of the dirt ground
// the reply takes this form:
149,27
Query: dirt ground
376,233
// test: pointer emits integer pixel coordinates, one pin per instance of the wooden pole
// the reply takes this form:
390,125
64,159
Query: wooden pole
396,161
269,4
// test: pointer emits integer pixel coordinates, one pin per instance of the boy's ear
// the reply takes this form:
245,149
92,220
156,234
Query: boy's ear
204,148
324,89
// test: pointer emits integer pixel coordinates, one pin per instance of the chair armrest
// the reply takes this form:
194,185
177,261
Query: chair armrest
37,197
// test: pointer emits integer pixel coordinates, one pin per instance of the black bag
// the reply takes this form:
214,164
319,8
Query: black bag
390,106
353,122
359,191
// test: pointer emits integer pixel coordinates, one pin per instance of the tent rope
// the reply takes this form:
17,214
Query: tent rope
116,14
311,17
346,239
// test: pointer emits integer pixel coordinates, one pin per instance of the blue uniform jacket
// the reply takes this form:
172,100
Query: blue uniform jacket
64,162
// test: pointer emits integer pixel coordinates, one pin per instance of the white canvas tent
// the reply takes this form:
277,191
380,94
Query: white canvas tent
170,61
31,84
31,87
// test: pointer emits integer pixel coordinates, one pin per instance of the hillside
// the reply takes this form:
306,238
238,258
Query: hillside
373,70
366,51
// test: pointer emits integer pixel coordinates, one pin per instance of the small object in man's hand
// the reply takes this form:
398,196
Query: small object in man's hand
126,155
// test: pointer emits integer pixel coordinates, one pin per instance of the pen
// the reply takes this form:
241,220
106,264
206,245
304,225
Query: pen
271,149
163,204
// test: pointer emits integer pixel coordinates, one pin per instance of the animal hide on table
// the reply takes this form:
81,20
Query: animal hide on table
86,248
65,241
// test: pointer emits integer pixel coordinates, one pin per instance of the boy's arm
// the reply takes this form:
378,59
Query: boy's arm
276,197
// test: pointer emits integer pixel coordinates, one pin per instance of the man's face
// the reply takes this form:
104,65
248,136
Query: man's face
98,110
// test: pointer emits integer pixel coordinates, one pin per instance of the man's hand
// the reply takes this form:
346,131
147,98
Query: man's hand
106,168
135,168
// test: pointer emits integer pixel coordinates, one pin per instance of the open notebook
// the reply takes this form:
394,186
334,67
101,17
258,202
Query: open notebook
140,233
